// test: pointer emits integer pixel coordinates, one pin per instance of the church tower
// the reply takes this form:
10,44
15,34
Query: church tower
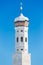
21,56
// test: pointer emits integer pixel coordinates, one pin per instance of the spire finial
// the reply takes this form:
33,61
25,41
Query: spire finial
21,7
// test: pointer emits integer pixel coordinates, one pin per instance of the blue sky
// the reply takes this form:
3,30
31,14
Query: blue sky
9,9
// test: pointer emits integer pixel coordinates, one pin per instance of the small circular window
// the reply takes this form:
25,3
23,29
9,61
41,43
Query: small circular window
21,30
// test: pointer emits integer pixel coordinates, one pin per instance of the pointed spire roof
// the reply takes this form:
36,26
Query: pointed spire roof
21,17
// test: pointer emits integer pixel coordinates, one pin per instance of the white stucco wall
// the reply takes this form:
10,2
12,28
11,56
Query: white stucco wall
21,45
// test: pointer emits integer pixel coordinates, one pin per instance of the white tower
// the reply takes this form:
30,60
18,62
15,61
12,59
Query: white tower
21,56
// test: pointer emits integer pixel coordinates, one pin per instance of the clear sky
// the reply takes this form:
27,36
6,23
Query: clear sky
9,9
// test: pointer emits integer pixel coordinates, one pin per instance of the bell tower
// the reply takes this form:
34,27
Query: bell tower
21,56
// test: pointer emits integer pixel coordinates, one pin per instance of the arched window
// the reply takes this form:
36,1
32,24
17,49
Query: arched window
26,39
17,39
21,39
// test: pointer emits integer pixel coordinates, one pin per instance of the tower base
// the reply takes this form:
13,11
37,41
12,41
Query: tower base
22,59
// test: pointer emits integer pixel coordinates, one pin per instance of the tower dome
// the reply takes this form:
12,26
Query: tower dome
21,18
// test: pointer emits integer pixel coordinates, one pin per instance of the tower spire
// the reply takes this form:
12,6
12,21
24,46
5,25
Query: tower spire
21,8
